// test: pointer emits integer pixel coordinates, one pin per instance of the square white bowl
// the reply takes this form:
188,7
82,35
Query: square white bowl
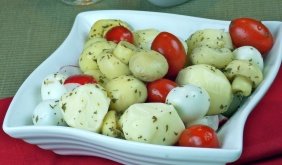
72,141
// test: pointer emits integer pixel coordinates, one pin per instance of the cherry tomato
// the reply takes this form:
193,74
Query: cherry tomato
119,33
250,32
158,90
171,47
80,79
199,136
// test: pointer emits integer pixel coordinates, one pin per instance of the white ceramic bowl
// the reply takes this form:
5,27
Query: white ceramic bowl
167,3
71,141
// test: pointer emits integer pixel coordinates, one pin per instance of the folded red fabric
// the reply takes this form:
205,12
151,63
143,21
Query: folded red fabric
262,142
262,138
16,151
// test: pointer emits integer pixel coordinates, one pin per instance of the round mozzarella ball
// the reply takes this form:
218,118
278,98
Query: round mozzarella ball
190,101
53,87
48,112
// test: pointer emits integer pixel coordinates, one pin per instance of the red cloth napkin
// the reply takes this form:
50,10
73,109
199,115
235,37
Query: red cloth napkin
16,151
262,138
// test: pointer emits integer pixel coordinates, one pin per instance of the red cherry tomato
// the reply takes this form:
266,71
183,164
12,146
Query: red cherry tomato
119,33
158,90
250,32
80,79
199,136
171,47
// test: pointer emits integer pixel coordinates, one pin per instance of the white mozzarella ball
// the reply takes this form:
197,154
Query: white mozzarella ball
48,112
211,121
190,101
53,87
249,53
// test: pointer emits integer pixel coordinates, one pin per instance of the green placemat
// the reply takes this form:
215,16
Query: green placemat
32,29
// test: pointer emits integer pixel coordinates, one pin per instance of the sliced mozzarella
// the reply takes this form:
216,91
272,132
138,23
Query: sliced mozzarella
47,112
85,107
